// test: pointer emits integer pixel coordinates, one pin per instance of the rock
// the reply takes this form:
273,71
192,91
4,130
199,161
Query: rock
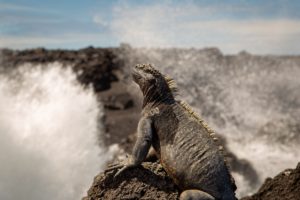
286,185
240,166
149,181
118,102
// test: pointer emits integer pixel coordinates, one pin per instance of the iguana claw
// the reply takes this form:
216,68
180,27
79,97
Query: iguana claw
122,170
123,165
113,167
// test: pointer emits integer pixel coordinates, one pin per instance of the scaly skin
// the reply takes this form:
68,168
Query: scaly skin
183,143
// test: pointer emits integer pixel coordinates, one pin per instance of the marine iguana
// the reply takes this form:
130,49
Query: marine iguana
184,144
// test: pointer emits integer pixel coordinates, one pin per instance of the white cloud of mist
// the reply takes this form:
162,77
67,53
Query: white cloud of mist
49,126
99,20
190,25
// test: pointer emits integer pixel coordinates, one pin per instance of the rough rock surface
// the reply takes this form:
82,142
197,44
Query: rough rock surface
284,186
151,182
146,182
97,65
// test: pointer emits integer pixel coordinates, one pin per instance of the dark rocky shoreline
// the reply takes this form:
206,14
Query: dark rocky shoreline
286,185
106,69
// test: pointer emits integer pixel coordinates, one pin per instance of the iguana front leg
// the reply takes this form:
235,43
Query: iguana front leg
142,144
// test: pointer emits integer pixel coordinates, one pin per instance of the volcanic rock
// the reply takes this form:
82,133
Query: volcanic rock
148,181
284,186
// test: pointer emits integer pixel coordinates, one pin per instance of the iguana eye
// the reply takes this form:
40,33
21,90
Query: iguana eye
140,66
148,71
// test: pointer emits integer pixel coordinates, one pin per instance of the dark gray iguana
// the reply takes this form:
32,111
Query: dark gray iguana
184,144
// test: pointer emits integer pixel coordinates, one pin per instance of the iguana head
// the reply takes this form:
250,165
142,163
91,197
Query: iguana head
155,86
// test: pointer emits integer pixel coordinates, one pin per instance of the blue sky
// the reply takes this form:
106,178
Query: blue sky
262,27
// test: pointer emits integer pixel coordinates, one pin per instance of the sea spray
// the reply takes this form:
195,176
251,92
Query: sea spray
252,101
49,128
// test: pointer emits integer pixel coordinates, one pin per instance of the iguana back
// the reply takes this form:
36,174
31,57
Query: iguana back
189,152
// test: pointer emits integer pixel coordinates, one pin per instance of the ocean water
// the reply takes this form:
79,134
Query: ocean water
49,128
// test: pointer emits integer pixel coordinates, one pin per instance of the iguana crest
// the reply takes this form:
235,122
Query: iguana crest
209,130
171,88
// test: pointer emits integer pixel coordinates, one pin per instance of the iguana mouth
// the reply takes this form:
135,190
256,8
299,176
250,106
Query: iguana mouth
135,75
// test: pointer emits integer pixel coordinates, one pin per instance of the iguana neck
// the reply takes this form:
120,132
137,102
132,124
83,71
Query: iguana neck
154,98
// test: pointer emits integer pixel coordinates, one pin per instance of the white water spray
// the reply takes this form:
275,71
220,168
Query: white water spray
254,102
49,127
